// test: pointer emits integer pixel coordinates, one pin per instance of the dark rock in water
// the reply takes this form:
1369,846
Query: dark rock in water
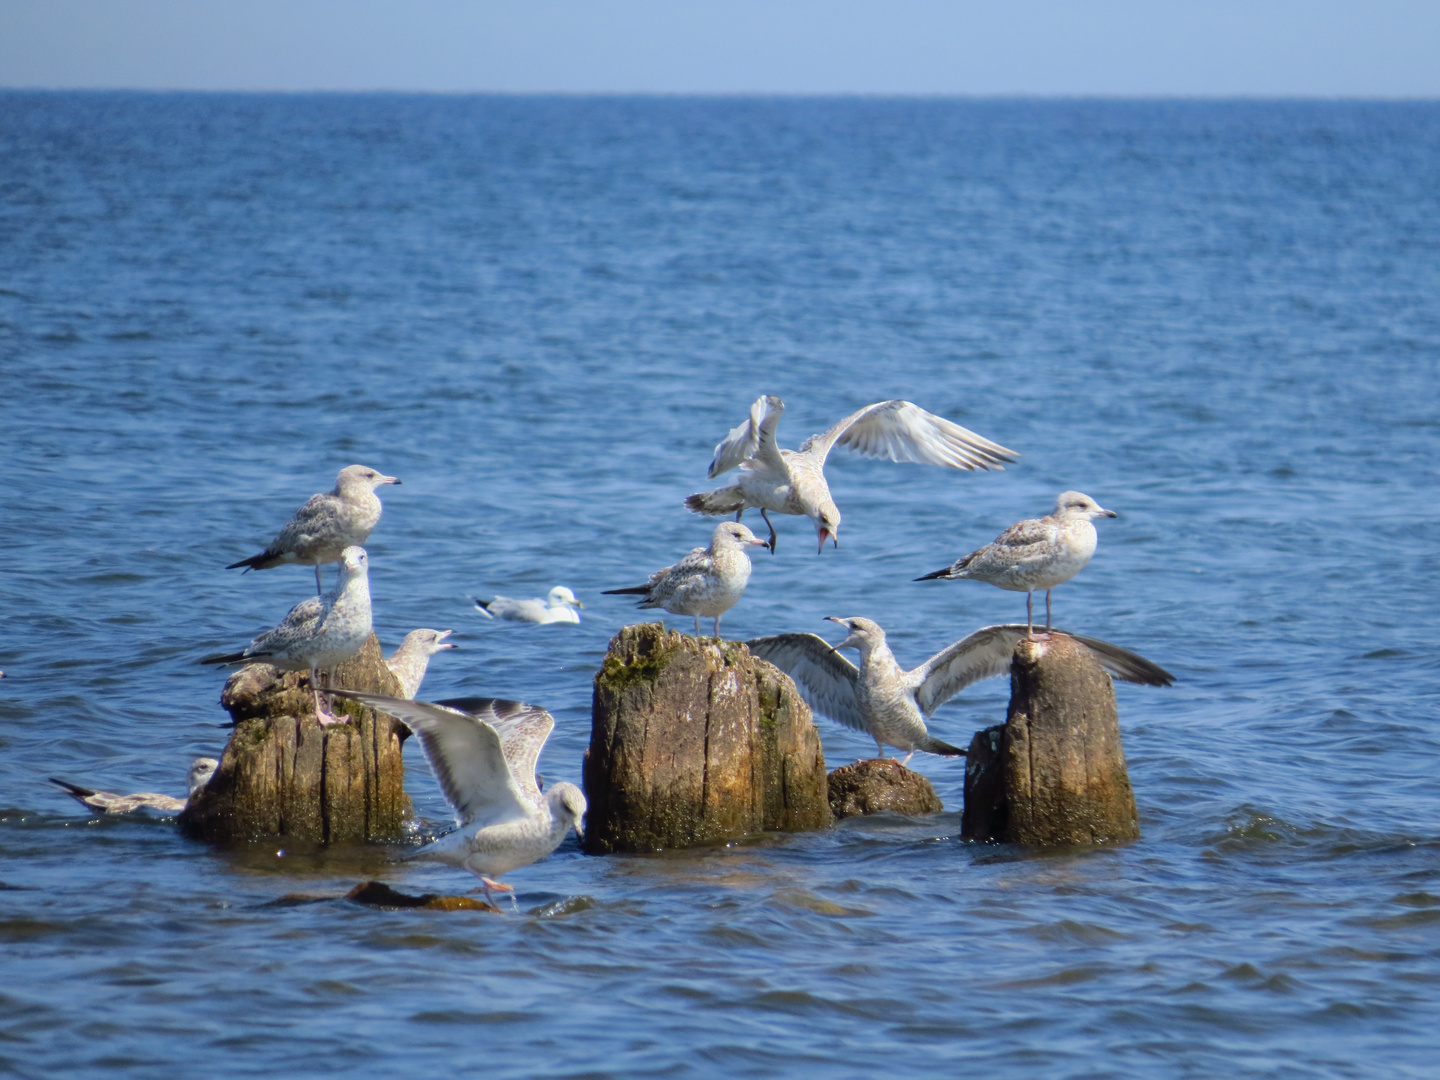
283,775
1054,773
873,787
694,740
378,894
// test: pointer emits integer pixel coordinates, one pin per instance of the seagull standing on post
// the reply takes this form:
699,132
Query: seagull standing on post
793,481
708,581
326,525
1037,553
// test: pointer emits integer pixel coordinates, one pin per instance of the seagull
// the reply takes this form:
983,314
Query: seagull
326,525
317,633
708,581
793,481
107,802
410,661
1037,553
483,753
559,606
890,703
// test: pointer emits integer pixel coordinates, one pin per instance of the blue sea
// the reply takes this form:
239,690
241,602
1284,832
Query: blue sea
1220,319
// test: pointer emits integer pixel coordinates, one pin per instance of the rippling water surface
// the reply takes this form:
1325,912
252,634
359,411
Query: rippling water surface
1219,319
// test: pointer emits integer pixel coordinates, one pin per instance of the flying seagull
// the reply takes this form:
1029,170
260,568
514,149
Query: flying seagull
483,753
793,481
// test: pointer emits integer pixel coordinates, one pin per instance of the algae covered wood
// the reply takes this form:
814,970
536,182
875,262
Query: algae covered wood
881,785
283,775
695,740
1055,773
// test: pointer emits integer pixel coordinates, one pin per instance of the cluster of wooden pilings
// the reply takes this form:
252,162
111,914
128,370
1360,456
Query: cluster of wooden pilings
692,741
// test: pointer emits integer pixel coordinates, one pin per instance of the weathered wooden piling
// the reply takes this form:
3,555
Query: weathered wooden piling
283,775
879,786
1054,773
694,740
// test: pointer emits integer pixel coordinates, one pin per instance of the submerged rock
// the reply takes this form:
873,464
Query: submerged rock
877,786
283,775
378,894
694,740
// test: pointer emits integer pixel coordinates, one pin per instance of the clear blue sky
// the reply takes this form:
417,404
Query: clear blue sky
1374,48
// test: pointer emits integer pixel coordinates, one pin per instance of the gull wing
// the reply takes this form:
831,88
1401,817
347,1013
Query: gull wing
754,438
522,728
987,652
465,753
312,519
902,431
825,678
299,623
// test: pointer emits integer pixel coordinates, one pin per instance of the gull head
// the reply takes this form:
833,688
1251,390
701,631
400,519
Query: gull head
864,634
1076,504
201,770
827,524
732,532
360,479
354,561
560,596
427,641
567,803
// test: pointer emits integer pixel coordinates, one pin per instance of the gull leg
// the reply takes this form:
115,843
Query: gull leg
773,537
319,589
697,625
717,627
879,748
1029,614
322,714
907,758
490,885
1047,611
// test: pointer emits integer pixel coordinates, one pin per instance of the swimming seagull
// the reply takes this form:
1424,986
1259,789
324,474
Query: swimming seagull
317,633
483,753
1037,553
411,660
708,581
890,703
793,481
559,606
107,802
326,525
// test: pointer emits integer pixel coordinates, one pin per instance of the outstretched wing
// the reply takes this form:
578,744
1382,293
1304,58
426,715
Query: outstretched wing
902,431
987,652
825,678
465,754
522,728
755,437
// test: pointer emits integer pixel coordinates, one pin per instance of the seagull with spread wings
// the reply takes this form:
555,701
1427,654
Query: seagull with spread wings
483,752
793,481
889,703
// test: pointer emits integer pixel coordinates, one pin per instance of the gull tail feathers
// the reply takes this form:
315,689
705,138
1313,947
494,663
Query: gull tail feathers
484,606
726,500
263,561
81,793
932,745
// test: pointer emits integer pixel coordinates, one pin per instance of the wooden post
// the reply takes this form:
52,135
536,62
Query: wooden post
283,775
1054,774
693,740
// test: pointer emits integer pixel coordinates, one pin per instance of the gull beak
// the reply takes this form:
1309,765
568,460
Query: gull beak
1109,513
579,830
824,535
389,480
579,604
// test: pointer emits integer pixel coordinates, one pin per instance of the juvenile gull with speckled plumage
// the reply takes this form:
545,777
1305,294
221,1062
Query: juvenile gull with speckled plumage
890,703
483,752
1037,553
708,581
107,802
411,660
326,525
317,633
793,481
